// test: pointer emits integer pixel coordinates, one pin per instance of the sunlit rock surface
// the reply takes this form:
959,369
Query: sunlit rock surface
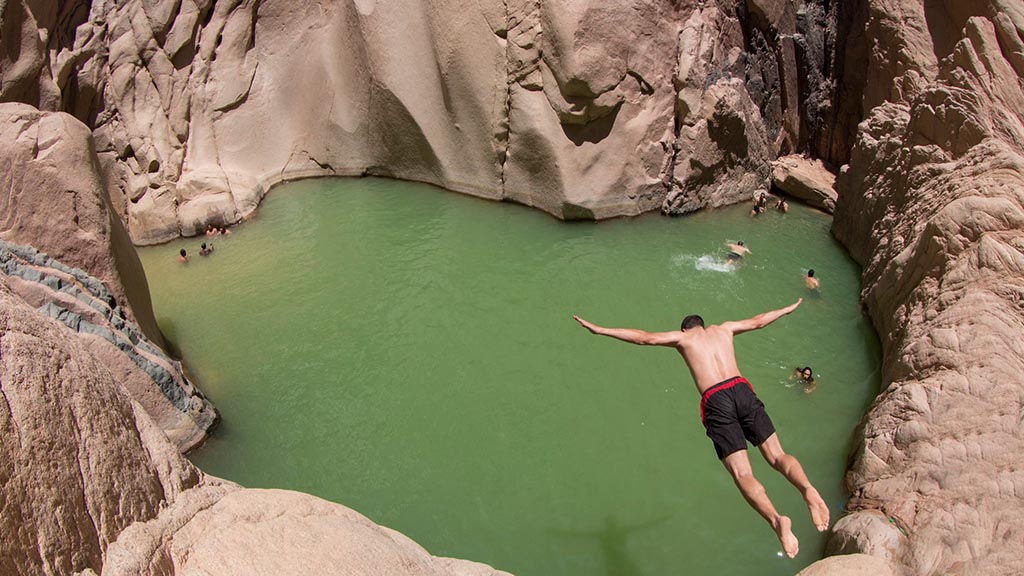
932,204
584,109
63,252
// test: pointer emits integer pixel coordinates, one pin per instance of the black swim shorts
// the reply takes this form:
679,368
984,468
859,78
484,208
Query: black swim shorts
733,415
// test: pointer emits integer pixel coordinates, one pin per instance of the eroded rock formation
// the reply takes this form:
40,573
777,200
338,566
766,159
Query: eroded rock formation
63,252
584,109
932,204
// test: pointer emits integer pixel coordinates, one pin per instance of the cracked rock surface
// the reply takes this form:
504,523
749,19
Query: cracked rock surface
581,108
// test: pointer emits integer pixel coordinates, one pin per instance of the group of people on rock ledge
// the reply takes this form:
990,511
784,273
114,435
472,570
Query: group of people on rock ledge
206,248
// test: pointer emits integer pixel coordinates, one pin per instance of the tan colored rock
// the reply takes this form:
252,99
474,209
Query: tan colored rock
89,276
931,205
229,531
807,180
849,565
722,148
80,461
566,105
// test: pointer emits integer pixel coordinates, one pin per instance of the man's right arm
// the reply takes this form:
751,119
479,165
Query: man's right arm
759,321
632,335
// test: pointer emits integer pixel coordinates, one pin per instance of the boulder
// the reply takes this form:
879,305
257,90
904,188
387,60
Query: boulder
806,180
850,565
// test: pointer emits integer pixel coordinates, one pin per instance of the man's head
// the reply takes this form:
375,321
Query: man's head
740,243
692,321
810,273
182,252
203,246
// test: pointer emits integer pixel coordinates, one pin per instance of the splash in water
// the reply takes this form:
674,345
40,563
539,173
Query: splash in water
704,263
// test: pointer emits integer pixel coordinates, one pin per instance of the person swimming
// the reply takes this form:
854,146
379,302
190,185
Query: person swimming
760,204
182,256
811,282
782,205
806,377
205,250
736,251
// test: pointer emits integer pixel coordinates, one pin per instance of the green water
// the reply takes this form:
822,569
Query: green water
409,352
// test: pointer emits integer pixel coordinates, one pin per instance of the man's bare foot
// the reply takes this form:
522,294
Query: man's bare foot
818,508
784,530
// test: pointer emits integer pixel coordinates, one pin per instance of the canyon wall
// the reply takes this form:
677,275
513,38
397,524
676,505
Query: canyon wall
581,108
932,205
63,252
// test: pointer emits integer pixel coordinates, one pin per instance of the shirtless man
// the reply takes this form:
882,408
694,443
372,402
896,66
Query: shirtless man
731,412
737,251
811,282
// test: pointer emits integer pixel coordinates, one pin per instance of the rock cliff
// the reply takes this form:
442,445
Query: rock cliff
584,109
932,205
63,252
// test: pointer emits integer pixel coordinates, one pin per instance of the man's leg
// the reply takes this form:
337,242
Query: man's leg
788,465
738,466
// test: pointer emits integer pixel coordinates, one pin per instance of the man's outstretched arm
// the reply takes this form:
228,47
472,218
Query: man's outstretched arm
761,320
632,335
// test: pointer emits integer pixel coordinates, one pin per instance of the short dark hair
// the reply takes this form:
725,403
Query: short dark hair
740,243
182,252
691,321
204,246
810,273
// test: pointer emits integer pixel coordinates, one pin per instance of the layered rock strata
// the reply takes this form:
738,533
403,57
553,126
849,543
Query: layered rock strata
932,205
584,109
62,251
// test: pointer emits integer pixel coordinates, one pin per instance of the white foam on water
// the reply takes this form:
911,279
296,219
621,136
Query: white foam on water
709,263
704,263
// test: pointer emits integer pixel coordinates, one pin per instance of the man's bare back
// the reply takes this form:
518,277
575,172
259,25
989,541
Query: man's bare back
711,358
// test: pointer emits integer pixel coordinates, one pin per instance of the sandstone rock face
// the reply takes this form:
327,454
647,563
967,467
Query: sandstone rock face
584,109
89,277
225,530
931,204
79,460
806,179
849,565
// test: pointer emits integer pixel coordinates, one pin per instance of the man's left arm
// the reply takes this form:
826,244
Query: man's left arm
632,335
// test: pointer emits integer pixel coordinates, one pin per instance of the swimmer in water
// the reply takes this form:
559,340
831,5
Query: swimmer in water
732,413
736,251
806,377
811,282
182,256
782,205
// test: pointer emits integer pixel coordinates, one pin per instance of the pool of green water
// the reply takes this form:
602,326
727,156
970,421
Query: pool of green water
410,353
